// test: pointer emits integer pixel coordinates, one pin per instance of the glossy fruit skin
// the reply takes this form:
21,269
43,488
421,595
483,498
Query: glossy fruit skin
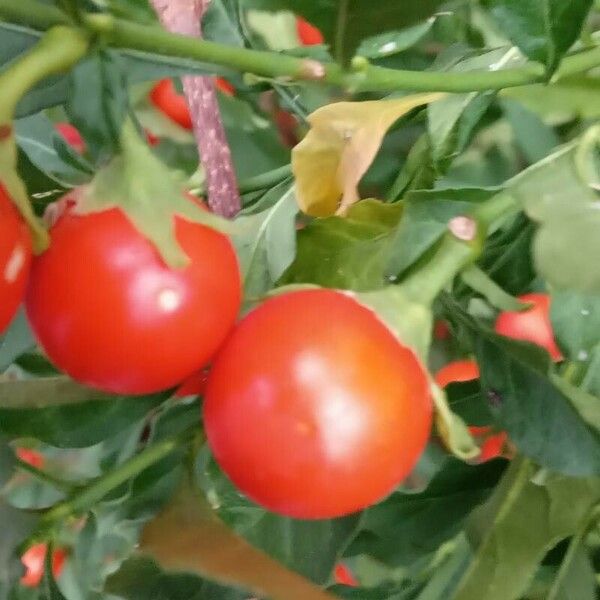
15,258
72,136
344,576
308,34
313,408
111,314
195,385
33,561
173,104
457,371
531,325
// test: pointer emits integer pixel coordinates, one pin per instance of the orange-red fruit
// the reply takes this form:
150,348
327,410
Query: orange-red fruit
171,103
15,258
457,371
308,34
72,136
110,313
531,325
441,331
313,407
224,86
491,443
33,561
344,576
32,457
194,385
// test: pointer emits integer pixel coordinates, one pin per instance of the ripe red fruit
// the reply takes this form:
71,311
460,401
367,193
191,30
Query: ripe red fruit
314,408
224,86
308,34
194,385
459,370
32,457
531,325
110,313
344,576
15,258
72,136
490,443
33,561
171,103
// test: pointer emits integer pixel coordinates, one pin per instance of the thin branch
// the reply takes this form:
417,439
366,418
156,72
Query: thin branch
127,35
184,17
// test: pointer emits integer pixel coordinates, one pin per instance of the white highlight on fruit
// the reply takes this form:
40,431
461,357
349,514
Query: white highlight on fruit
169,300
339,419
15,263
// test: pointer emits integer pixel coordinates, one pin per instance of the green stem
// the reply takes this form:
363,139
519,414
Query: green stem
453,254
58,50
85,499
59,484
265,180
127,35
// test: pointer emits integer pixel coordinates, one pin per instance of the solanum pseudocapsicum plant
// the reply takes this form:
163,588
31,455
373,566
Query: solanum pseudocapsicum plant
257,406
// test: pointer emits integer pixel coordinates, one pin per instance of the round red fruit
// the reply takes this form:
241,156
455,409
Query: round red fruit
33,561
111,314
171,103
15,258
344,576
457,371
308,34
532,325
72,136
314,408
224,86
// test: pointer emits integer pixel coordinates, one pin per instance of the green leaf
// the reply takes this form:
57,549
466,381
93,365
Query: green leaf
46,149
535,139
407,527
345,23
576,577
188,536
17,339
425,220
479,281
394,42
97,102
140,578
65,414
549,508
558,192
219,23
543,29
346,252
562,101
266,242
576,323
539,418
309,547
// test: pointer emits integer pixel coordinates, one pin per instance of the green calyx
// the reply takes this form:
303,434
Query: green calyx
149,194
59,49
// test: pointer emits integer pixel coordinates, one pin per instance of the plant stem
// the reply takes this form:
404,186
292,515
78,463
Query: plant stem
148,38
453,254
58,50
84,499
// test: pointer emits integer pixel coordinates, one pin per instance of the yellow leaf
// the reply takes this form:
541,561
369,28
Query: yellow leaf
339,148
188,536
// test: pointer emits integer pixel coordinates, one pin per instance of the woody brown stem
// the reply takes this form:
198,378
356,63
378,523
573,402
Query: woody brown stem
184,17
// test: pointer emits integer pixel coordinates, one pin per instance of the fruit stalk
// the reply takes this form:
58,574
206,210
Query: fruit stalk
213,148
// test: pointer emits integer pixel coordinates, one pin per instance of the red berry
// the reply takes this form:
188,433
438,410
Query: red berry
532,325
